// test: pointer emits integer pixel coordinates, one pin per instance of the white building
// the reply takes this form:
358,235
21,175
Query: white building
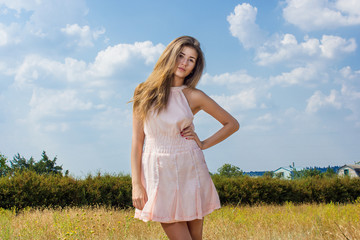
351,170
284,173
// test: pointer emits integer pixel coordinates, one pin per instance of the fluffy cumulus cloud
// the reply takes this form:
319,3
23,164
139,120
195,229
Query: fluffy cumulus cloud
83,36
43,19
4,39
308,75
40,71
19,5
229,79
322,14
244,100
287,48
118,56
350,91
319,100
9,34
56,103
347,97
243,25
57,94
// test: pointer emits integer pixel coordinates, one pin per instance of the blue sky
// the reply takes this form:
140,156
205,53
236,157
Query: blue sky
287,70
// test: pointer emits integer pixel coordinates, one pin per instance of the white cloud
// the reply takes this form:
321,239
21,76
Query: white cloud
286,48
118,56
40,71
9,34
43,19
350,92
245,99
268,117
348,73
318,100
54,103
230,79
333,46
299,76
264,122
322,14
351,7
84,35
3,36
243,26
19,5
57,92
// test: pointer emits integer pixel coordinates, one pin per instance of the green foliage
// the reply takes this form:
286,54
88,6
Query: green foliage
279,175
19,163
268,174
305,173
29,189
228,170
330,173
4,168
247,190
47,166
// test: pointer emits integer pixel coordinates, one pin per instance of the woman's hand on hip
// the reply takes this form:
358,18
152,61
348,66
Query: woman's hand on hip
189,134
139,196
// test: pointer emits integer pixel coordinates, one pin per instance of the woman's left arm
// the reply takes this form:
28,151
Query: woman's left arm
200,101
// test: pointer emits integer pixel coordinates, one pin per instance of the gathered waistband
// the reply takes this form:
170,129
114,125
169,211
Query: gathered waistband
169,144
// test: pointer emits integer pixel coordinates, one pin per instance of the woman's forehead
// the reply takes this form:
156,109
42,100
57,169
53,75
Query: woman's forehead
189,51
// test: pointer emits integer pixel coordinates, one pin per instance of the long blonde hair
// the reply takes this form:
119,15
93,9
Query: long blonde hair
155,91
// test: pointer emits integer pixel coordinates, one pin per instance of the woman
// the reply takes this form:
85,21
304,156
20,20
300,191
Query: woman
171,182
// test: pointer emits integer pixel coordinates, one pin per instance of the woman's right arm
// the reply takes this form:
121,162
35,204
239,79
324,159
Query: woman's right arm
139,196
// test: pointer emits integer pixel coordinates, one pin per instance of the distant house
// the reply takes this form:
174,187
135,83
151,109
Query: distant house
351,170
284,173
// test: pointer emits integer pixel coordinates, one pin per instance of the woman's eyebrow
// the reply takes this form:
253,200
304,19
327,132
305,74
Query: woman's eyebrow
189,57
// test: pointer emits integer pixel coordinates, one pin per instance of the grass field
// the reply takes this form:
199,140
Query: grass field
289,221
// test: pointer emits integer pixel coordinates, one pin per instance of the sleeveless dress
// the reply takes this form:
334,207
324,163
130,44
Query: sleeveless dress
173,169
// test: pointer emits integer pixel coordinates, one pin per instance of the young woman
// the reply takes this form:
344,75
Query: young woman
171,182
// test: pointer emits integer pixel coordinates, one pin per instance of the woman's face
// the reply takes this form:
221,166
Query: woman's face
185,62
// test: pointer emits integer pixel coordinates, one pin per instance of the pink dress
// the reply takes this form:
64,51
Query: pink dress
174,171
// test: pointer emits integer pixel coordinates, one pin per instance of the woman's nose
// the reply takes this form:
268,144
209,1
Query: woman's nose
184,61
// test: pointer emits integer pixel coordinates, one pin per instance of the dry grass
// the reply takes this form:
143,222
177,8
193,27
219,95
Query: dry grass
329,221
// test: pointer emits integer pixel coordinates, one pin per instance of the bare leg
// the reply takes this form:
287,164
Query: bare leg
196,228
177,230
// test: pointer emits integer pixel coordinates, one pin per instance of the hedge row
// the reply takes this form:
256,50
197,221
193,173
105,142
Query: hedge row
29,189
247,190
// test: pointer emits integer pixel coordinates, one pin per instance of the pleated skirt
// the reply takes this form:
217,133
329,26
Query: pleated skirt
177,182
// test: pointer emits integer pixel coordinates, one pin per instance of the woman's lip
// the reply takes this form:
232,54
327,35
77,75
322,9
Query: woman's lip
182,69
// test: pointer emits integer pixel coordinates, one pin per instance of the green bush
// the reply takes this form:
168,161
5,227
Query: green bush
29,189
247,190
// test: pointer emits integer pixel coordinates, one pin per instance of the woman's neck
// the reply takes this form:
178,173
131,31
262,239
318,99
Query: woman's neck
177,82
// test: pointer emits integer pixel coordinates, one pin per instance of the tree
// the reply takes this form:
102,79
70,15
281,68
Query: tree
43,166
308,172
20,163
330,172
4,168
228,170
269,174
47,166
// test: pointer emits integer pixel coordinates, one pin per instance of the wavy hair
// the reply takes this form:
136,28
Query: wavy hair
154,92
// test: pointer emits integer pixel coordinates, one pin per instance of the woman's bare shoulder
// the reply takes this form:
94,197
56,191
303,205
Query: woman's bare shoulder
194,93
